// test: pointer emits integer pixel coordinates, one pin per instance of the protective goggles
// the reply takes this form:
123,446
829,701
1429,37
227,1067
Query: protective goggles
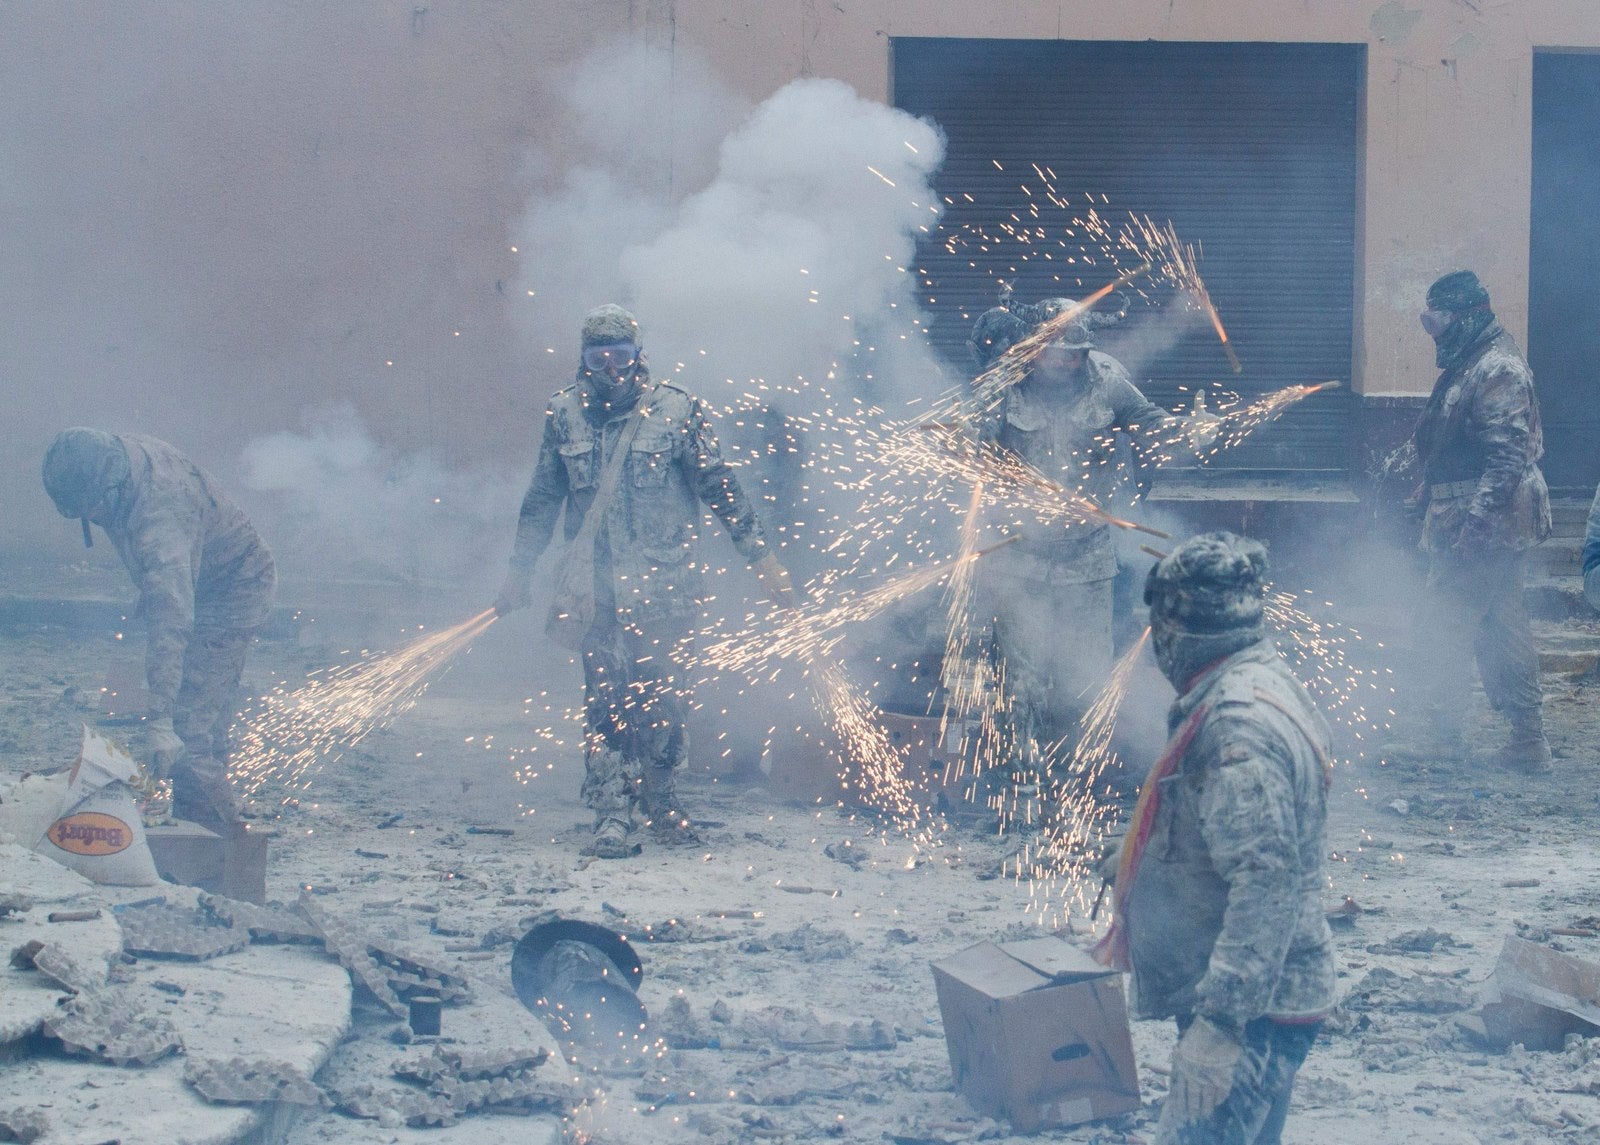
611,356
1436,322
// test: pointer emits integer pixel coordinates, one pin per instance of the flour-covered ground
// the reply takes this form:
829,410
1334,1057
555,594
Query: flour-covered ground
787,959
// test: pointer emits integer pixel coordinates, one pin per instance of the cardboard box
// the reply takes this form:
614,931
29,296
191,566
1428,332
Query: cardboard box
933,758
234,866
1037,1033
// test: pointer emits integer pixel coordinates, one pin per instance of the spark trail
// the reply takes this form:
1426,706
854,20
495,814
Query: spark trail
287,735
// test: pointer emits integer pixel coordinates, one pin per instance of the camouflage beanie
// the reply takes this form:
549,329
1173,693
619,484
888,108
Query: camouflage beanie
1211,583
81,466
609,324
1457,291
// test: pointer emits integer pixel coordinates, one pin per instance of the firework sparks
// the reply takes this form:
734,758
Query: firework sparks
287,735
1058,866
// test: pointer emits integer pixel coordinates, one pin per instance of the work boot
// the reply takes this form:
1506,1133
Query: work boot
610,839
1527,751
668,822
202,794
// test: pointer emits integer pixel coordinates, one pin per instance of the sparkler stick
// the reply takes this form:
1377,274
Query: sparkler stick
1009,470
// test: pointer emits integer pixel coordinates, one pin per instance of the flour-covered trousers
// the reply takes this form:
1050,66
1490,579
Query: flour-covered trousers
636,708
1053,628
1473,610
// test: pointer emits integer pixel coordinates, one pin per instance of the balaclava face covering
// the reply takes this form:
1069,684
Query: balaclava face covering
1460,294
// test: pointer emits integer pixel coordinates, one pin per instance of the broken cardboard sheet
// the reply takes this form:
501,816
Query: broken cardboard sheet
97,830
1538,996
1037,1033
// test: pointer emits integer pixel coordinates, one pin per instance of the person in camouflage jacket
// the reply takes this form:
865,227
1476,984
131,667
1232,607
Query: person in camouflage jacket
1219,879
205,582
647,587
1050,593
1479,443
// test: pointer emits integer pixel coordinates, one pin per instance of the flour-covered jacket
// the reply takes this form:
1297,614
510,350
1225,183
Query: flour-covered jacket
1069,433
674,465
1479,441
192,553
1225,914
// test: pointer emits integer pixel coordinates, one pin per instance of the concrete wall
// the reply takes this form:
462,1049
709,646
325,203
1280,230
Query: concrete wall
223,215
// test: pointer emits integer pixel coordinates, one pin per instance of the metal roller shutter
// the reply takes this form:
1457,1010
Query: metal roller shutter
1249,150
1563,320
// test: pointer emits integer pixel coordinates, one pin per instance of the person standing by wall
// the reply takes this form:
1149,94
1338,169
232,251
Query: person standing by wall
1479,443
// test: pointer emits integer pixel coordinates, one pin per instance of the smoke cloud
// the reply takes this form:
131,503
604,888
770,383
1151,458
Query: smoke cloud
350,508
787,263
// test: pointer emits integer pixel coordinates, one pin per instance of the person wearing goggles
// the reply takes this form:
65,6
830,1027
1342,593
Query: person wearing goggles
612,359
1485,505
643,456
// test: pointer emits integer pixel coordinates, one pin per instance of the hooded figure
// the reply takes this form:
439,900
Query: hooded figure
205,584
656,443
1479,443
1218,884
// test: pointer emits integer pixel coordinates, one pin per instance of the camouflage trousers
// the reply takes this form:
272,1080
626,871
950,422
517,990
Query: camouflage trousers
1256,1107
208,697
1473,610
1054,633
635,714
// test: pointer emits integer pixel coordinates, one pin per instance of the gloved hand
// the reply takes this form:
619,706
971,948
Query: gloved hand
1202,425
1106,867
162,748
514,593
775,579
1203,1065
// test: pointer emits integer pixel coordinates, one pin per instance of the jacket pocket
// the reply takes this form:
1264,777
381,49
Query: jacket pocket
651,462
579,459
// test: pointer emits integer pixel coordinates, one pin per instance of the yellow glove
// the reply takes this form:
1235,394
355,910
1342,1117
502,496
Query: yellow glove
162,748
775,579
1203,1066
1203,425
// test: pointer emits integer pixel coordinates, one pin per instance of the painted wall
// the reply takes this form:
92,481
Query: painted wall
222,217
1447,114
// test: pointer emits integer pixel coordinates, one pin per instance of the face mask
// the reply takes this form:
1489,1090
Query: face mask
610,358
1436,322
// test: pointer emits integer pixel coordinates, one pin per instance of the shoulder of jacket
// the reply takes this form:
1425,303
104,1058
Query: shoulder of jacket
1236,686
1108,367
666,392
1499,355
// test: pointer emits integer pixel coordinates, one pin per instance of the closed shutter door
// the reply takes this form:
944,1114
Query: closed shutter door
1249,150
1563,316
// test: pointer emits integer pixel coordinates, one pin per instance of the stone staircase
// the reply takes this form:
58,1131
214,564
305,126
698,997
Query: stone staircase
1567,628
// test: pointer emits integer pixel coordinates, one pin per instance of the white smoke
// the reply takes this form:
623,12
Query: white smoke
342,506
792,261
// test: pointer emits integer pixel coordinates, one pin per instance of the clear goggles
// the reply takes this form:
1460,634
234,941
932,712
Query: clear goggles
1436,322
610,357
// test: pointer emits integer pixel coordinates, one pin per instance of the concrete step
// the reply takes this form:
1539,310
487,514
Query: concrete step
1567,648
1569,515
1557,598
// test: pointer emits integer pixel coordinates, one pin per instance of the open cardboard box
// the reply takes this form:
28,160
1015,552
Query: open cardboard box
1037,1033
